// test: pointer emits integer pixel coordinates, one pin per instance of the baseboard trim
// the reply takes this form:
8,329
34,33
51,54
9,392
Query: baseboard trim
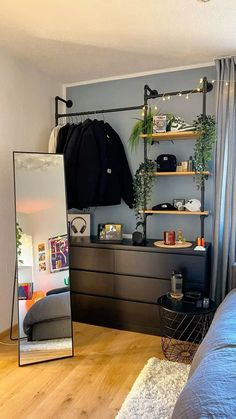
6,333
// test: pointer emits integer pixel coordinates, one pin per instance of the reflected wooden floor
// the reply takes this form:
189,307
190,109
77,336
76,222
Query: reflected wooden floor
93,384
32,356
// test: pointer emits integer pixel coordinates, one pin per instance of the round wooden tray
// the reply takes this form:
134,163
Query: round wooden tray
160,243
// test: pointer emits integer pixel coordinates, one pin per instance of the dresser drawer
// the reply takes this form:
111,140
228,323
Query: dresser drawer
92,282
159,265
140,288
92,259
119,314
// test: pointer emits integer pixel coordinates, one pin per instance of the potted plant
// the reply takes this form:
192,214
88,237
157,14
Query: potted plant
205,126
139,128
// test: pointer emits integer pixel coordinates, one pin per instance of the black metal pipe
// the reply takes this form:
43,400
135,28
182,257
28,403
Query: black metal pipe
58,99
100,111
204,93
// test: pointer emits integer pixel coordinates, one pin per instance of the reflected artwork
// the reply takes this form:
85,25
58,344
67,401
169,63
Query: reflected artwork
45,327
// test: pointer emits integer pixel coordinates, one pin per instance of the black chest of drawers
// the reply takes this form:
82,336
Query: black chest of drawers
117,285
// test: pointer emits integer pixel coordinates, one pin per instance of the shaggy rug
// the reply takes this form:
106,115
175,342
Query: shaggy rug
155,391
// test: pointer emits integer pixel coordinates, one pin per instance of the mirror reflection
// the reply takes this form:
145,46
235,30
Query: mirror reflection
45,328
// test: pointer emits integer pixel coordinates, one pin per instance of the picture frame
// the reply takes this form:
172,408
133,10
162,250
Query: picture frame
58,253
110,232
179,203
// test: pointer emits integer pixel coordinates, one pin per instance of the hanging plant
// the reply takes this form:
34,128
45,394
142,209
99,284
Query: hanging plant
206,129
143,182
139,128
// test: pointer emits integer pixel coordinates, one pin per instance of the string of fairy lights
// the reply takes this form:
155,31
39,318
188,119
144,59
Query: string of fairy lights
166,96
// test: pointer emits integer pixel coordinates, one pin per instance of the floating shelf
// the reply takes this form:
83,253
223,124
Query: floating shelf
171,135
175,212
178,173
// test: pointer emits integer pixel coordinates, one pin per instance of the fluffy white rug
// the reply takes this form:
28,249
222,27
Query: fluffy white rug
155,391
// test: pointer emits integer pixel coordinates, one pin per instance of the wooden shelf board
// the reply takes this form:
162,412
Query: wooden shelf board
171,135
175,212
178,173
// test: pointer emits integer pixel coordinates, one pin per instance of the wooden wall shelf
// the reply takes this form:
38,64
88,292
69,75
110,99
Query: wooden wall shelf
178,173
171,136
176,212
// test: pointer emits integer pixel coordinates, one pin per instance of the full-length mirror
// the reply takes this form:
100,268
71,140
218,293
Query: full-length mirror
45,328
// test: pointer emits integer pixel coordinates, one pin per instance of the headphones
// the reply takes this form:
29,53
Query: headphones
138,236
82,229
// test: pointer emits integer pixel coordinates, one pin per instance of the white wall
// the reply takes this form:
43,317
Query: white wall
26,118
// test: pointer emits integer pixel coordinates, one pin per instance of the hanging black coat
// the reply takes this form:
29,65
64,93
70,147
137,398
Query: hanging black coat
97,171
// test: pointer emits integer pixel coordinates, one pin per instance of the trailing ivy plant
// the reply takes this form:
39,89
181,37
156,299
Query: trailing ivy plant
18,242
206,129
143,182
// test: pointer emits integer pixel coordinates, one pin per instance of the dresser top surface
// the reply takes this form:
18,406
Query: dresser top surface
126,244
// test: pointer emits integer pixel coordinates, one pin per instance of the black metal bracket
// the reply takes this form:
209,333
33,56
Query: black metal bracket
58,99
149,93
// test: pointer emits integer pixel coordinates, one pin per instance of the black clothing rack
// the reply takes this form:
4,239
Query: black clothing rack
148,95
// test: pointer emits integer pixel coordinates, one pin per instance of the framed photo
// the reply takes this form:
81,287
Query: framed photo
58,253
179,204
79,224
159,123
110,232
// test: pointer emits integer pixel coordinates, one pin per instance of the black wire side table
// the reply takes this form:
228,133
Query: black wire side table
183,327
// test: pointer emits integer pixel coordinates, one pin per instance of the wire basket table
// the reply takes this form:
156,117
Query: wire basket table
183,327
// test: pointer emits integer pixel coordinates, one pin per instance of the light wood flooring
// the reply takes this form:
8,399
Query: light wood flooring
93,384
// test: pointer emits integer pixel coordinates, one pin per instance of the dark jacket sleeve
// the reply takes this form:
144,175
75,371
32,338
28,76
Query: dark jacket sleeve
126,179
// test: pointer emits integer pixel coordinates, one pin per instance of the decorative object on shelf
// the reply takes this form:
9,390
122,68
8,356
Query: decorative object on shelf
179,167
193,205
205,126
178,124
191,165
169,238
184,165
184,245
166,206
176,285
166,163
79,224
200,244
159,123
179,204
138,236
139,127
180,238
110,232
143,182
58,250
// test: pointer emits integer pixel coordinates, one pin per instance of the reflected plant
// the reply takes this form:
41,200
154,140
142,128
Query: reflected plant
18,242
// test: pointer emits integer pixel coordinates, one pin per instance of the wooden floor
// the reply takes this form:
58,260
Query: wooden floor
93,384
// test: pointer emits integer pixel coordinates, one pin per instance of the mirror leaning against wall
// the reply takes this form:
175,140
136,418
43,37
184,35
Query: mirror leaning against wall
42,275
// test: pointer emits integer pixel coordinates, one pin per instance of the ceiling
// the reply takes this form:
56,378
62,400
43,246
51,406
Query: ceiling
78,40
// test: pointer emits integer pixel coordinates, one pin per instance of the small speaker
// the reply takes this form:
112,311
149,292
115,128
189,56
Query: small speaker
138,238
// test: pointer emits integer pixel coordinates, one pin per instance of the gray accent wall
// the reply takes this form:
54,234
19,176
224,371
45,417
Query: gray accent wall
129,92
